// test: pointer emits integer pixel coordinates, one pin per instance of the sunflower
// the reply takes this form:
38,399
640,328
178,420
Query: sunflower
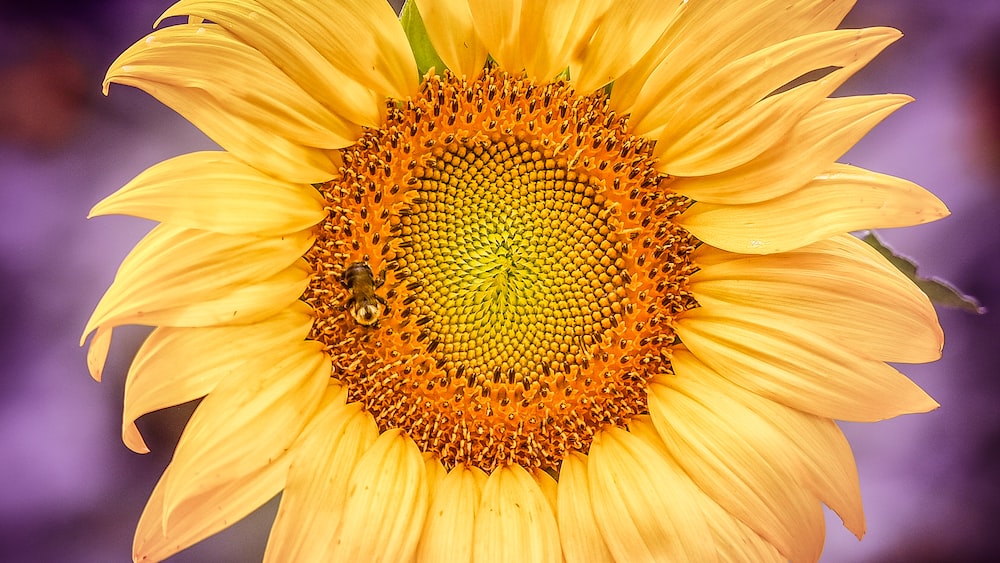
514,281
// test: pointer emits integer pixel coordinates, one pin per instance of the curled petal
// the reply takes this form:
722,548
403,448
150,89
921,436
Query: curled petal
249,419
256,112
172,276
702,39
214,191
810,148
177,365
734,116
97,354
841,200
738,85
286,48
203,515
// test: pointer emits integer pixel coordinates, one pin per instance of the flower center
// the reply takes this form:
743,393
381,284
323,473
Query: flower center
498,271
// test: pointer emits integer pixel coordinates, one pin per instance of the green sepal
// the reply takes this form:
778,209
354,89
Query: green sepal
939,291
425,54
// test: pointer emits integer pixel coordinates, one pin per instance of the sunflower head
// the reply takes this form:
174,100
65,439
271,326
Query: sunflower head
515,322
534,281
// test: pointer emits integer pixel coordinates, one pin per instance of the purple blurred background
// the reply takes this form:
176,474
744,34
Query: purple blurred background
71,491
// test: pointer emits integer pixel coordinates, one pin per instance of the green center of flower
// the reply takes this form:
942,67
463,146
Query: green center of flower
531,270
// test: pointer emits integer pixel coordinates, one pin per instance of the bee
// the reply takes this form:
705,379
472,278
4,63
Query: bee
364,302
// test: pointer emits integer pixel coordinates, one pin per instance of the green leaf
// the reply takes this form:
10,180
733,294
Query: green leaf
939,291
413,25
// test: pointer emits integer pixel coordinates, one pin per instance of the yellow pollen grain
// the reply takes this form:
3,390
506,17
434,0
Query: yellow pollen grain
532,270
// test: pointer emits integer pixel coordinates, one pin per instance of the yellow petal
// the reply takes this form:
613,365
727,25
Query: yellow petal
204,74
241,81
644,505
734,456
177,365
783,361
515,521
386,503
736,141
451,520
732,117
97,354
732,540
552,32
737,543
203,515
581,538
285,47
435,472
706,36
174,268
540,37
238,305
841,200
452,33
498,23
840,288
214,191
361,37
548,486
809,148
627,31
735,87
810,448
312,505
249,418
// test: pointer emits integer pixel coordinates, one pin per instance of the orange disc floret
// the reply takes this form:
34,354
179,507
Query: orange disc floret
532,270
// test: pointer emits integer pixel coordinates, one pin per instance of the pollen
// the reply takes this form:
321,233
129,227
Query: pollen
529,270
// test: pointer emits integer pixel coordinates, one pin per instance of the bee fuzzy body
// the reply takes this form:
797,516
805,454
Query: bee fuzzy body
365,305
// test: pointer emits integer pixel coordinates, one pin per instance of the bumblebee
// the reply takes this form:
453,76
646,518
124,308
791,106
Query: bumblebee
364,302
